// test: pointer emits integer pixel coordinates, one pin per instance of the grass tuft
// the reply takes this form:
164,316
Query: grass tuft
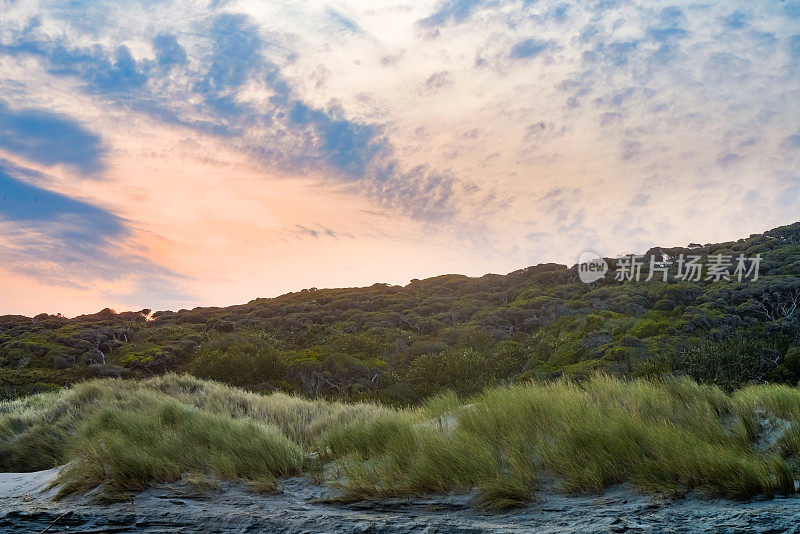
157,439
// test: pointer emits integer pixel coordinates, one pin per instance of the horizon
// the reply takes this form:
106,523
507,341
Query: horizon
180,155
367,285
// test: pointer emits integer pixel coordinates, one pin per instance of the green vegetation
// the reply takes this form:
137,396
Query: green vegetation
489,384
118,436
402,345
122,435
670,437
123,449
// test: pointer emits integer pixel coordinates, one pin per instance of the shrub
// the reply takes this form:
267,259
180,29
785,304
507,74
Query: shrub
239,359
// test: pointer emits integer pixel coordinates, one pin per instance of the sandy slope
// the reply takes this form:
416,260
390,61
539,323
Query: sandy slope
15,486
25,507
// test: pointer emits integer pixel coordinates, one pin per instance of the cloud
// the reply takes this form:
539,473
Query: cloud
252,80
617,98
422,193
559,12
303,230
66,242
453,11
168,51
285,131
607,119
347,145
614,53
667,35
390,60
791,142
671,16
103,72
792,8
794,46
20,201
438,80
553,193
342,23
529,48
236,51
736,20
631,150
49,139
235,55
299,137
727,159
320,231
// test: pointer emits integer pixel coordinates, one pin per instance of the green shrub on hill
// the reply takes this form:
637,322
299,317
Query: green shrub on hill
403,344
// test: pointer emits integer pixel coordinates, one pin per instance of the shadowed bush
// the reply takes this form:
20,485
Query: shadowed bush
244,359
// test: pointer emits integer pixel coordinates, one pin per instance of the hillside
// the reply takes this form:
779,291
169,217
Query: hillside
403,344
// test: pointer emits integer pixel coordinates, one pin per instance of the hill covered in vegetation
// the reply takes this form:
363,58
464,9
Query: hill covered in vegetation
402,344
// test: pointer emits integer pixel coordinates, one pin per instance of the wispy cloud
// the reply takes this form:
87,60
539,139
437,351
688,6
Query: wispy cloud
453,11
285,131
451,119
529,48
63,241
22,201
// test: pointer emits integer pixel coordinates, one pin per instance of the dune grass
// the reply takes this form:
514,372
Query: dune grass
671,437
119,436
121,450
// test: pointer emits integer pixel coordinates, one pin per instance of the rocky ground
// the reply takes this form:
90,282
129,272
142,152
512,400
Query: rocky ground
25,506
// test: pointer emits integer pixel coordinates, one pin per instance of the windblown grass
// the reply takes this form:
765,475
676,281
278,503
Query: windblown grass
670,437
119,436
122,435
125,449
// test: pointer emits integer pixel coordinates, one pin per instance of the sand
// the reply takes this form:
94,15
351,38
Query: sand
26,506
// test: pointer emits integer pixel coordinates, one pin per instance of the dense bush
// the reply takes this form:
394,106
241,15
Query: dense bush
402,344
244,358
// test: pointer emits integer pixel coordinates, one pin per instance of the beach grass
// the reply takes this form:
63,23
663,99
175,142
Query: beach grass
673,436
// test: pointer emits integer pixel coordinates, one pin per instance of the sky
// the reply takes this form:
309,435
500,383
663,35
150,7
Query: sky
173,154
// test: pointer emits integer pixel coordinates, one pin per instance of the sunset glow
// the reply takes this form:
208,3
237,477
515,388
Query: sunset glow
178,154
